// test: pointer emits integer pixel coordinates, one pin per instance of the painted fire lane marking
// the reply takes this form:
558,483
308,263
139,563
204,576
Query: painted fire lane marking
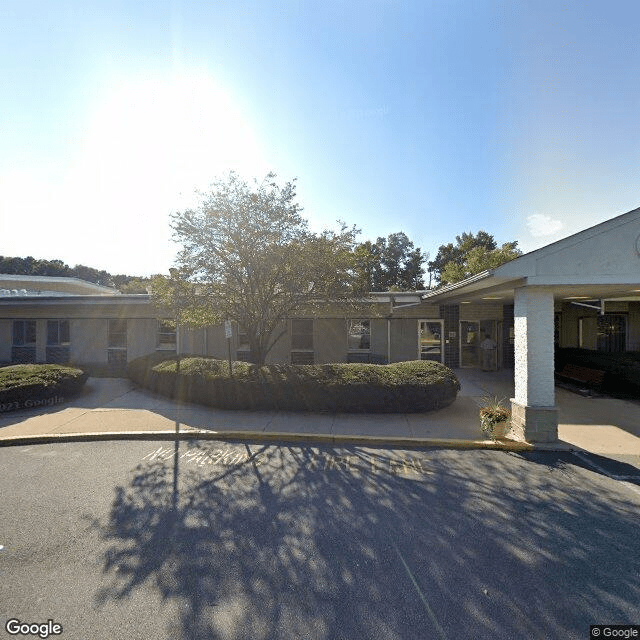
405,465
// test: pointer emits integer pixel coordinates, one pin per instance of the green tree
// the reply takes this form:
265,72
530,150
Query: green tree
456,252
390,263
476,259
411,278
366,262
31,266
251,258
90,274
135,285
46,267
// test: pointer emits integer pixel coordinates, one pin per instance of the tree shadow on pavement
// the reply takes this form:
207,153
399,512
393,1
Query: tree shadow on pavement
279,542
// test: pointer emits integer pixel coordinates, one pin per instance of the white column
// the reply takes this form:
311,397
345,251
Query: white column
533,407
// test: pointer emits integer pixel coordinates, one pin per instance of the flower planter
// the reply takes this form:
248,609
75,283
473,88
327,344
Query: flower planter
497,429
495,420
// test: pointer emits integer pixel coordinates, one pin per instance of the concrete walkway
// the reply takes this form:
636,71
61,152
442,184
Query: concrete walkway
113,408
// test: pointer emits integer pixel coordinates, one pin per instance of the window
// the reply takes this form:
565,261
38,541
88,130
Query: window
430,340
587,332
58,333
23,350
243,351
58,342
359,336
243,338
302,333
612,333
117,343
166,335
117,334
302,357
24,333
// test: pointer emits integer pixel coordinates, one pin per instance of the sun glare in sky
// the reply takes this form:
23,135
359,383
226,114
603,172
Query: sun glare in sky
431,118
148,145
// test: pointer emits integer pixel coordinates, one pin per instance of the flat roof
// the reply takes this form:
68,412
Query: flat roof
131,298
50,284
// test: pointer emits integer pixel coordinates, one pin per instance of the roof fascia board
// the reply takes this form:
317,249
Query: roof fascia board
522,262
406,304
458,285
626,218
549,281
475,295
70,300
399,293
525,265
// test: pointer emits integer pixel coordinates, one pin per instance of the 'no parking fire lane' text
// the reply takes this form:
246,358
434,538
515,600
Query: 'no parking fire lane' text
315,461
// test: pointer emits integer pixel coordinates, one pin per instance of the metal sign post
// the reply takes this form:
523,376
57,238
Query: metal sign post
228,334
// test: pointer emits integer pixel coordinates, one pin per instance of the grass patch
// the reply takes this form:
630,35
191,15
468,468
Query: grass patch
27,385
404,387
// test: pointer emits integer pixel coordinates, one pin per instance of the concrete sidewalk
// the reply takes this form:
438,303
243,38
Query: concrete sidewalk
113,408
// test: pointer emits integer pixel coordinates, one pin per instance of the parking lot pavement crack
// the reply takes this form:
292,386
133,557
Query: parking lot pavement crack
429,610
269,422
410,431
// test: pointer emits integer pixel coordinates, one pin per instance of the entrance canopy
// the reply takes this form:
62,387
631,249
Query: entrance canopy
595,266
602,262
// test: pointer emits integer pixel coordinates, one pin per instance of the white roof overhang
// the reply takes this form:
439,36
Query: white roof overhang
491,290
599,263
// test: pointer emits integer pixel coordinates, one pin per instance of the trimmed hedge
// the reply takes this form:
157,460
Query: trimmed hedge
403,387
30,385
622,370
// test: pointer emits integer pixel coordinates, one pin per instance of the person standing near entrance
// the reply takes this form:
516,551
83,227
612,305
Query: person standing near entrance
488,353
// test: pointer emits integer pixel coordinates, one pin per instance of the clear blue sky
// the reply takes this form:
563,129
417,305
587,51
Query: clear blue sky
521,118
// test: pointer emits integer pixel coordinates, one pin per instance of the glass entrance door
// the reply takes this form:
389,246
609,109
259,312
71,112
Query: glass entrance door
430,340
488,357
469,343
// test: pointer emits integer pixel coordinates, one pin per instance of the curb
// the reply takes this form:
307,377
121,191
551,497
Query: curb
280,436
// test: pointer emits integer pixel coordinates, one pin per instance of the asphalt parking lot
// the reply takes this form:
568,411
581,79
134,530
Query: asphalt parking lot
205,539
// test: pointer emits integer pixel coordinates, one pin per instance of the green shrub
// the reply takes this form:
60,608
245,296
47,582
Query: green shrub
402,387
27,385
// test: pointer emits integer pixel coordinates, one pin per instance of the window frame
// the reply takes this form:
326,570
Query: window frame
350,323
242,338
296,335
23,343
59,340
164,328
623,318
423,353
111,334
